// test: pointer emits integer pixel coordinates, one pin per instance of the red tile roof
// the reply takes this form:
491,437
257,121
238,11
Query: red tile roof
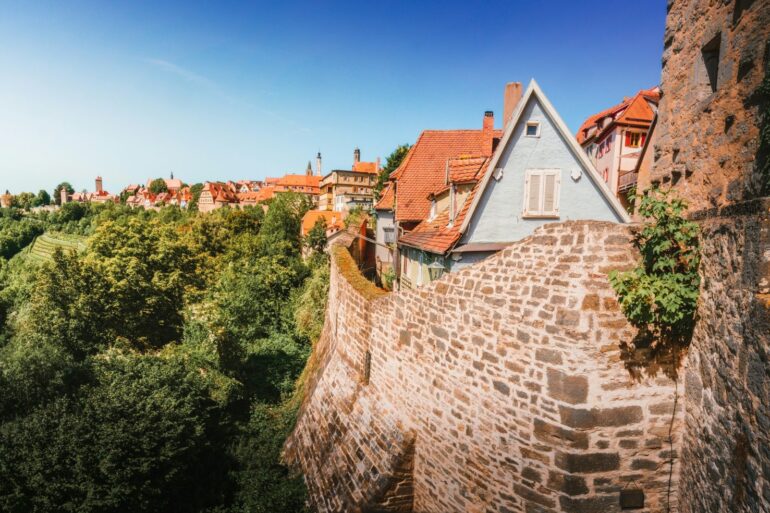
299,181
423,171
435,235
334,220
639,111
386,200
365,167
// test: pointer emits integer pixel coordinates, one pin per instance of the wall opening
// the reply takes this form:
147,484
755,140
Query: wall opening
710,54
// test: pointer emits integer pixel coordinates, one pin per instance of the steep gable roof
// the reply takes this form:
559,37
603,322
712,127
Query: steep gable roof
533,90
641,111
386,201
424,168
438,235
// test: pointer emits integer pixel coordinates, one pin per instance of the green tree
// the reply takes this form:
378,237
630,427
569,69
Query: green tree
24,200
57,191
315,240
195,192
391,164
141,438
157,186
42,198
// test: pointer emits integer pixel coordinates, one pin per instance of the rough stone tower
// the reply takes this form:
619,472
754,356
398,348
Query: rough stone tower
99,187
716,83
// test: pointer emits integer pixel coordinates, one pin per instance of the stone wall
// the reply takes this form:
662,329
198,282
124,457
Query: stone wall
502,387
711,151
708,145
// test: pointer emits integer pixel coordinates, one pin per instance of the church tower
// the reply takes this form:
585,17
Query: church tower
309,170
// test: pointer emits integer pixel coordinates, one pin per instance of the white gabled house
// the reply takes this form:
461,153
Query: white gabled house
538,174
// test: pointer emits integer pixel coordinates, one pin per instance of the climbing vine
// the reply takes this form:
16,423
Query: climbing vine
659,296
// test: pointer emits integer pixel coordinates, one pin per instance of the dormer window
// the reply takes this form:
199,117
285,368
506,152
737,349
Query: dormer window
533,129
432,215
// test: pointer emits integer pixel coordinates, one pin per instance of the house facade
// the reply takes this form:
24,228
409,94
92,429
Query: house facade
343,189
613,139
538,174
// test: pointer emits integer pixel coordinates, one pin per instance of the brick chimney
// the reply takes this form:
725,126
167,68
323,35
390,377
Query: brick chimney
511,99
487,133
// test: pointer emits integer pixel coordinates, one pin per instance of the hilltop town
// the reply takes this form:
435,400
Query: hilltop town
510,316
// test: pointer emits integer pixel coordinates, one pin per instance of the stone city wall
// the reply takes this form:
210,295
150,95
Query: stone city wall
715,106
502,387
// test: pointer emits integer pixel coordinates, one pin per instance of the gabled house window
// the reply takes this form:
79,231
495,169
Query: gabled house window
634,139
533,129
389,235
541,193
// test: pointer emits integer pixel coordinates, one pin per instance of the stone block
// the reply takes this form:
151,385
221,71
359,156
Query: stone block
600,417
548,356
570,389
568,484
557,435
587,463
598,504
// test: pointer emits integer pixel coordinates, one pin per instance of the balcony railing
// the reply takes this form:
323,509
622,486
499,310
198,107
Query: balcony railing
627,180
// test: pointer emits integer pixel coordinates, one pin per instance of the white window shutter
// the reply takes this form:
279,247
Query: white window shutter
534,193
549,188
557,192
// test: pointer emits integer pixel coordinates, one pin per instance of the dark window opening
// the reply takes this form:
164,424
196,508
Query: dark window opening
740,6
711,60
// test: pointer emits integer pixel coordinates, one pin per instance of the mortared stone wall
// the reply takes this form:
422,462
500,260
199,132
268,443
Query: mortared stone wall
502,387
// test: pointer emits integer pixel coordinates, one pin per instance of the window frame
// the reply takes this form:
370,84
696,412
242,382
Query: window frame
536,124
541,213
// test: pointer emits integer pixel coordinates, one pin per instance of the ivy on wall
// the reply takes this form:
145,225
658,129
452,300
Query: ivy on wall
659,296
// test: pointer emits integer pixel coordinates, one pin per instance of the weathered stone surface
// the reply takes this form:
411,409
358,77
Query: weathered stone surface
600,504
586,463
556,435
488,393
566,483
596,417
570,389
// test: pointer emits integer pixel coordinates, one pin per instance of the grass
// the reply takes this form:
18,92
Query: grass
43,247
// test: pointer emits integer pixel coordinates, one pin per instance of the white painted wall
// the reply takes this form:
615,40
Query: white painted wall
498,217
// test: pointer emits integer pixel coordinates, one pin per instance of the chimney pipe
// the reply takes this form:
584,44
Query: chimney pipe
318,164
511,100
487,133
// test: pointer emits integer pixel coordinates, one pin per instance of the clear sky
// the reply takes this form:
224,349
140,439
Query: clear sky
229,90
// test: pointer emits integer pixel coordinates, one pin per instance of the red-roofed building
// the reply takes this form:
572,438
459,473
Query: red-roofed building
613,139
537,174
301,184
416,186
343,189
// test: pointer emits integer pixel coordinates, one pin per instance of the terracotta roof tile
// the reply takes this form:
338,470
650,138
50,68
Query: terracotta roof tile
435,235
424,168
365,167
334,220
386,200
652,94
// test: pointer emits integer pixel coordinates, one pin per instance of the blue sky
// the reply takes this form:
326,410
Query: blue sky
218,90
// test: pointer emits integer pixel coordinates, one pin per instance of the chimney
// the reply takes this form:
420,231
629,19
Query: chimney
318,164
356,156
99,185
511,100
487,133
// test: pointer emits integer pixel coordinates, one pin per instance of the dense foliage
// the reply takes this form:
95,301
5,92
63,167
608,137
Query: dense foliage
156,369
660,295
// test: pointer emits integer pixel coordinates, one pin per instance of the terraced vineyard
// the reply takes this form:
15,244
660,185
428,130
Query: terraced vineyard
44,245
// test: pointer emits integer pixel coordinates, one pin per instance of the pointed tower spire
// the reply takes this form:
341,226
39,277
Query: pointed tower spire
309,170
